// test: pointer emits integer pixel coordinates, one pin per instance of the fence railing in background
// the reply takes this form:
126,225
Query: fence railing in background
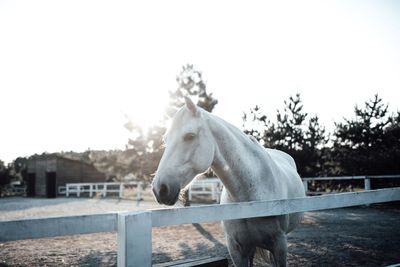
103,188
367,180
20,190
15,188
213,186
209,186
135,228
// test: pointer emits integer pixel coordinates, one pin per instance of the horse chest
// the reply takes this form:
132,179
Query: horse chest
250,192
253,232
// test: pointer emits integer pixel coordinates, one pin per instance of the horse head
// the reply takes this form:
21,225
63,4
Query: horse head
189,151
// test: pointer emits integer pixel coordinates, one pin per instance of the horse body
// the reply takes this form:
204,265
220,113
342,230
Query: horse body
249,172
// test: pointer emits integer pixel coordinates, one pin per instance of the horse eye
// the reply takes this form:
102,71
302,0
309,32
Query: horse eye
189,137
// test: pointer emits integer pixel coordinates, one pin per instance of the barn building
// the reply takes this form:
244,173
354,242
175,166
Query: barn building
47,172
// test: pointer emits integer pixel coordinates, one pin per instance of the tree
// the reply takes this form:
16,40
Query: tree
145,148
301,138
369,143
190,83
19,168
4,177
391,143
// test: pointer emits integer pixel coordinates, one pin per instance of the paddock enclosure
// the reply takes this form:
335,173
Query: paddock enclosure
362,236
348,242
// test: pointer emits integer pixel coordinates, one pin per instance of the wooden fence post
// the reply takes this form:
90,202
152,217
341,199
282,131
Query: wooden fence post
134,239
121,189
214,191
305,184
190,193
139,187
104,189
367,183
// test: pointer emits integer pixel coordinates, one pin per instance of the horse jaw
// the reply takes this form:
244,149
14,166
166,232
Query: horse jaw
183,159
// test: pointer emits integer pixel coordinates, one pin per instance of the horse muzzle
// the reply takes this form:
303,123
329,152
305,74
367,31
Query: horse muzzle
165,194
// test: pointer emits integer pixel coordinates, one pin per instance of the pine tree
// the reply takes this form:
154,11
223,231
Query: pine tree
190,83
145,148
301,138
369,143
4,177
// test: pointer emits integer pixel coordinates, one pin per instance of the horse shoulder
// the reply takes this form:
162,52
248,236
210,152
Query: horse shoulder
287,172
281,157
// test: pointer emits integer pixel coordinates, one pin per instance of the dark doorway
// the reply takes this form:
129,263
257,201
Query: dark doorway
51,185
30,188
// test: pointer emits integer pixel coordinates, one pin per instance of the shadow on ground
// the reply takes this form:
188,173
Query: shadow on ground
23,203
359,236
100,259
347,237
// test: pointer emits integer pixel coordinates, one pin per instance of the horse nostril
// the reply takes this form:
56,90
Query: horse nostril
163,190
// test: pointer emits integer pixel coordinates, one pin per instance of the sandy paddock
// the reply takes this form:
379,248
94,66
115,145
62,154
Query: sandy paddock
363,236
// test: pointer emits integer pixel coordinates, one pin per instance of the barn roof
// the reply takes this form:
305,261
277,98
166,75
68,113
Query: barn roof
58,156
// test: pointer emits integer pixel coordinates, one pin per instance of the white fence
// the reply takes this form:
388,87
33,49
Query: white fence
209,186
134,229
103,188
213,186
367,180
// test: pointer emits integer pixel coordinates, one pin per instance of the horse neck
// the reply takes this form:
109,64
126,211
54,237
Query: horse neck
237,160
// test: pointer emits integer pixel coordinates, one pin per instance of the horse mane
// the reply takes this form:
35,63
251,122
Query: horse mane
252,138
232,129
235,131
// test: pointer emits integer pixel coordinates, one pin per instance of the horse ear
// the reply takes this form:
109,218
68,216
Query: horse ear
190,105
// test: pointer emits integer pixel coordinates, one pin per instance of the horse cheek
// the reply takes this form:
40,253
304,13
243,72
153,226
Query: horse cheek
204,159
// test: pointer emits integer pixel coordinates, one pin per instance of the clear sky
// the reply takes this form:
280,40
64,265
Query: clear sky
70,70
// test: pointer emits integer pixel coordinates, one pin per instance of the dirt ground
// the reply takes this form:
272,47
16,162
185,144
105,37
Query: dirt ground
361,236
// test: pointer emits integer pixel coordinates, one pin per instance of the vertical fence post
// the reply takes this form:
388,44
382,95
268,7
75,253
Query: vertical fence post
305,184
121,189
92,190
134,239
213,191
139,187
104,189
190,193
367,183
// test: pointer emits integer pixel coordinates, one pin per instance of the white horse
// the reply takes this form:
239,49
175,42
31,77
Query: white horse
197,140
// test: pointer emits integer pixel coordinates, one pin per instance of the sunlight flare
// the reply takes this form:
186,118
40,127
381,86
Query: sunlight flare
146,110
